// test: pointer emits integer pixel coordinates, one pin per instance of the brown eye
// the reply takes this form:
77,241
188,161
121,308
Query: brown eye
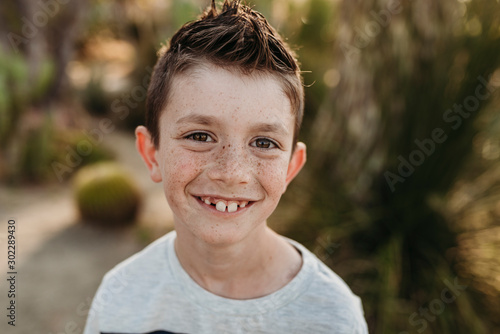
200,136
263,143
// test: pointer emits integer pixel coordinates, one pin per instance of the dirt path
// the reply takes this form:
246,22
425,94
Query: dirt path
60,261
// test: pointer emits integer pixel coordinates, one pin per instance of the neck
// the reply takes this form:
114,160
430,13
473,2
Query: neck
260,264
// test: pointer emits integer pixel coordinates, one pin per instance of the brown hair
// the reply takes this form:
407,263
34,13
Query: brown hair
237,38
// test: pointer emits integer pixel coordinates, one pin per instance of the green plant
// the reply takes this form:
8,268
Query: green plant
24,150
106,194
401,77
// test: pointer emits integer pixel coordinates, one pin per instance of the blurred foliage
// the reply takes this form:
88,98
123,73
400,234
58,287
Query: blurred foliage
46,154
74,150
396,76
18,90
94,98
35,154
22,152
106,195
380,75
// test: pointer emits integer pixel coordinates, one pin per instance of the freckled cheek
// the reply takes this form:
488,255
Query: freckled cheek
273,177
180,170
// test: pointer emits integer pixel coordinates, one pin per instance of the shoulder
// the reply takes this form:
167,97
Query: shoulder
329,297
134,291
150,259
137,274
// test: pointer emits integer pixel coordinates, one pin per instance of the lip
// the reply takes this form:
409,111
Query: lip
212,208
227,199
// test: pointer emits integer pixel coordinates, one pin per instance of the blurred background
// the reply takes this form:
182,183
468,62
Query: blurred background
400,195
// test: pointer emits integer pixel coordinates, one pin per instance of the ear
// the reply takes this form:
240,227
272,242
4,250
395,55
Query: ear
148,151
296,162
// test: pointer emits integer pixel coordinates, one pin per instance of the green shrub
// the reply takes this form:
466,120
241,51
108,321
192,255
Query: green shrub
106,195
65,142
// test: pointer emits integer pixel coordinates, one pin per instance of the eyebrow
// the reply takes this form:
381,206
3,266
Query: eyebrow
270,127
210,120
197,119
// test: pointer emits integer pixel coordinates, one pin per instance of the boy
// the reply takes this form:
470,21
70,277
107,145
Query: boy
224,109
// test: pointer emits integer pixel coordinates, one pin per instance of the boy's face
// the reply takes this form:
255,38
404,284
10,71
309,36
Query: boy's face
225,152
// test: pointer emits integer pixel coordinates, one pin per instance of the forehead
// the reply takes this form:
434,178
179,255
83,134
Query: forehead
218,92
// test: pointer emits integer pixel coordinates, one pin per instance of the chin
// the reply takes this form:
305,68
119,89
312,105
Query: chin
221,235
220,238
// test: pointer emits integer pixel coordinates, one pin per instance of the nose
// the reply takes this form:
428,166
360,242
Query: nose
231,165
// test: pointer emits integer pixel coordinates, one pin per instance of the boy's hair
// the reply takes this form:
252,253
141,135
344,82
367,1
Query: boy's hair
238,38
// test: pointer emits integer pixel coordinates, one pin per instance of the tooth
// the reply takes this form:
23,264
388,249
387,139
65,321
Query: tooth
207,201
220,206
242,205
232,207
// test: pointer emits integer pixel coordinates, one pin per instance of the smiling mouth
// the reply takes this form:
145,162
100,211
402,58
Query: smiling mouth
222,205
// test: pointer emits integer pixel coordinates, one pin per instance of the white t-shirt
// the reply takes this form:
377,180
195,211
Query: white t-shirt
150,292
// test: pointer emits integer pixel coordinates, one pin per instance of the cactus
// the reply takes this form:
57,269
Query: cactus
106,194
